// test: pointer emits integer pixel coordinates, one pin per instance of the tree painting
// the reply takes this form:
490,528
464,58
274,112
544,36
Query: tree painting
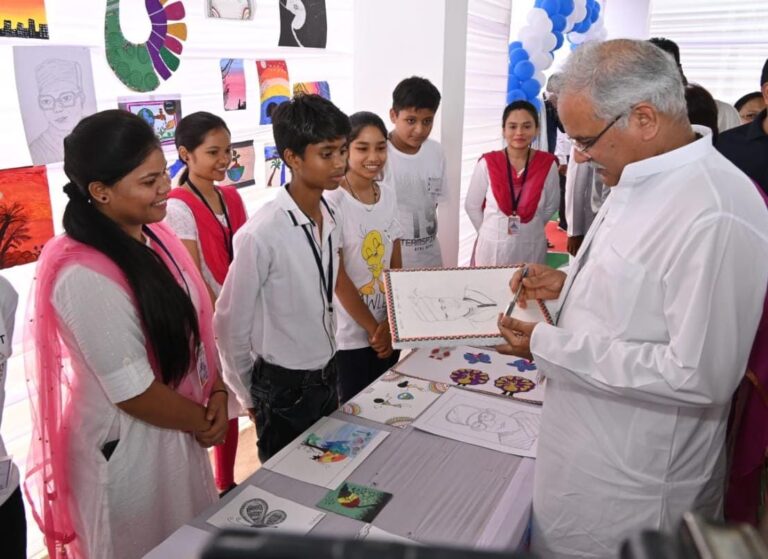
26,222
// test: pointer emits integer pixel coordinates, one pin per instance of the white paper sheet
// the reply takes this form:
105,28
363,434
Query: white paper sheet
504,425
394,399
480,369
185,543
371,532
255,508
326,453
455,305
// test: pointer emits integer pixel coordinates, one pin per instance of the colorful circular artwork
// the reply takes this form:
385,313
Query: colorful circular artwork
438,387
399,422
469,377
512,384
351,408
405,396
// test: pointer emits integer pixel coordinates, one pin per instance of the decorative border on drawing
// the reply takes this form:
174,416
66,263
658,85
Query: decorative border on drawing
391,314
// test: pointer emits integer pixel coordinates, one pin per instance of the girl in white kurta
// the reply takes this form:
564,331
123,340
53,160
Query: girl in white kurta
122,369
513,193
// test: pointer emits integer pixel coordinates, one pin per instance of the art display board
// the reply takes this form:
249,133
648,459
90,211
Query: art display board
326,453
480,369
478,419
427,307
256,508
394,399
355,501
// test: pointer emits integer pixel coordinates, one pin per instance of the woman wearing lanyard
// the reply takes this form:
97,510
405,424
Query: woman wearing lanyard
121,360
205,218
525,193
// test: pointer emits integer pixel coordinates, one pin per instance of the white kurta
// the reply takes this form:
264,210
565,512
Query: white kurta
157,479
495,246
653,338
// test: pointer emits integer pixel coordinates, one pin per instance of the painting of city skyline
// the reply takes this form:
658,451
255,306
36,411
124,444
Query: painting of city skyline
23,19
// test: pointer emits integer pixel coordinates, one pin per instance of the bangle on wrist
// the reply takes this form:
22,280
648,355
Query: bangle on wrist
224,390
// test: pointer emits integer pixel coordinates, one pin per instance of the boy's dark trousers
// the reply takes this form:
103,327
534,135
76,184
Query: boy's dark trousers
287,402
13,526
358,368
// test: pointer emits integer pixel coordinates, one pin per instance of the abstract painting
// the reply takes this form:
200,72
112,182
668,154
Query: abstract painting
327,453
355,501
240,172
26,221
276,172
230,9
55,88
273,84
162,114
312,88
303,23
23,19
233,83
258,509
504,425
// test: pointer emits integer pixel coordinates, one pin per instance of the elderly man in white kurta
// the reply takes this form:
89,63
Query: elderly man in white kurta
655,318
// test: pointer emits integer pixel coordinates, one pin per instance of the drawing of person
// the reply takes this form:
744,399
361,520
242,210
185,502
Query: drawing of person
60,97
474,306
518,430
230,9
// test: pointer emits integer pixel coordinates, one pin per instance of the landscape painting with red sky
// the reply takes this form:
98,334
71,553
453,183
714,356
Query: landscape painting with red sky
26,222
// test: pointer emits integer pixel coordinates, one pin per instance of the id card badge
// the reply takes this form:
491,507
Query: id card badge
434,186
202,366
513,224
5,472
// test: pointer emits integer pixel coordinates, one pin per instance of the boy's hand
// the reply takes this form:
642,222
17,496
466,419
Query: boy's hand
381,340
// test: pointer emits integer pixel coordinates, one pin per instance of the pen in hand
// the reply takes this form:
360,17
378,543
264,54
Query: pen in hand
513,302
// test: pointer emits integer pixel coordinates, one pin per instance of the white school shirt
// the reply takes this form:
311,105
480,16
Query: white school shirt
495,246
157,479
273,303
660,310
368,234
8,301
419,183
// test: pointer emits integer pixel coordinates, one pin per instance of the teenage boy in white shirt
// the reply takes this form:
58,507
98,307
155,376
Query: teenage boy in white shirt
274,318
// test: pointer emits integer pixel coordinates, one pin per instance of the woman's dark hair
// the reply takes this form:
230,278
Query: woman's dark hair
193,129
744,99
702,108
105,147
361,119
520,105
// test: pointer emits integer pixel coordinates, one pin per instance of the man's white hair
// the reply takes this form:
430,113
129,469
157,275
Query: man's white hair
617,75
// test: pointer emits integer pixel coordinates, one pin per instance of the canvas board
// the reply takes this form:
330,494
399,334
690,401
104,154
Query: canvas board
394,399
162,113
240,172
476,368
355,501
503,425
258,509
326,453
428,307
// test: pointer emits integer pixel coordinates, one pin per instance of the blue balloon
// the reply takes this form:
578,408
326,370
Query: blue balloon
597,7
517,55
537,3
512,82
560,40
566,7
524,70
552,7
514,46
582,26
558,23
515,95
594,14
536,102
531,88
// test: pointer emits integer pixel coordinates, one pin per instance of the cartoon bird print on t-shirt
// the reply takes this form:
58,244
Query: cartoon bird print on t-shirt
373,252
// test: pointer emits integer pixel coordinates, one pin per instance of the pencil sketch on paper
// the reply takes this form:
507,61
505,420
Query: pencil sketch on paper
474,306
256,514
516,430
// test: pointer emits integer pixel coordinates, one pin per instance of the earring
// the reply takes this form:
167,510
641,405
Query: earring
104,199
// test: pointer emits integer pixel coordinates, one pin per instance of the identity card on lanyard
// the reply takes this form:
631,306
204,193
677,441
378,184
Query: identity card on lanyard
513,221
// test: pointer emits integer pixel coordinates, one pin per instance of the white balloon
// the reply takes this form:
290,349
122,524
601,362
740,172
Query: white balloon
539,77
576,38
548,42
539,19
541,61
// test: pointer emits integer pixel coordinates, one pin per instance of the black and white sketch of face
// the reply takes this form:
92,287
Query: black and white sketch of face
491,421
231,9
62,104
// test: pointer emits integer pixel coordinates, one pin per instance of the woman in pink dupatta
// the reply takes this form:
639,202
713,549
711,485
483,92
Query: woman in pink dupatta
121,360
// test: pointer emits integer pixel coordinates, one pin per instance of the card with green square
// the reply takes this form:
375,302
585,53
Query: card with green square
355,501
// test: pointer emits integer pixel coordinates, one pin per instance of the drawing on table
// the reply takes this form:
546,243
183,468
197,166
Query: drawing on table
346,442
523,365
440,353
518,429
473,306
256,513
355,501
513,384
469,377
473,358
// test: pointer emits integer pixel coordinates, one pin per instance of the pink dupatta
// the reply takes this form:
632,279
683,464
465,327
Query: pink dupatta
49,376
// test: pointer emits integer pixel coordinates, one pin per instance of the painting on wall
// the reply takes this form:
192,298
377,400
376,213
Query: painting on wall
162,114
26,221
240,172
312,88
273,84
230,9
23,19
276,172
233,83
303,23
55,89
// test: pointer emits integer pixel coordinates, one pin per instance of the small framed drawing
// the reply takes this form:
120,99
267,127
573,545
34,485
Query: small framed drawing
429,307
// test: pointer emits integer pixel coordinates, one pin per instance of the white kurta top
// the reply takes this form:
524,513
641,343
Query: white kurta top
495,246
157,479
653,338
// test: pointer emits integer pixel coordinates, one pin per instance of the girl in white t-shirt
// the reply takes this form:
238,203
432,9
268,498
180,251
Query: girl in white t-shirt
370,238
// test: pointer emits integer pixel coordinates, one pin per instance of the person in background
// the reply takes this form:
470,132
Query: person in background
749,106
513,193
747,145
654,320
117,461
275,316
371,243
702,108
416,169
727,116
585,194
12,519
558,143
206,217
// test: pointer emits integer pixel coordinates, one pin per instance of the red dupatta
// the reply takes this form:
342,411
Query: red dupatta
537,170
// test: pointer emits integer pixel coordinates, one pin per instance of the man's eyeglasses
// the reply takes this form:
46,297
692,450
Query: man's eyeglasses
65,100
585,146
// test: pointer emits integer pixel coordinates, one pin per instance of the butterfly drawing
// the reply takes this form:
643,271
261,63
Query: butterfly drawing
473,358
256,513
440,353
523,365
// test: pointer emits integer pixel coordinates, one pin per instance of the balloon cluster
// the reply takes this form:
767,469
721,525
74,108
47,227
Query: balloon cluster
549,22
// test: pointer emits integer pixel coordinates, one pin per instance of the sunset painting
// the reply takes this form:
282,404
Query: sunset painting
23,19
